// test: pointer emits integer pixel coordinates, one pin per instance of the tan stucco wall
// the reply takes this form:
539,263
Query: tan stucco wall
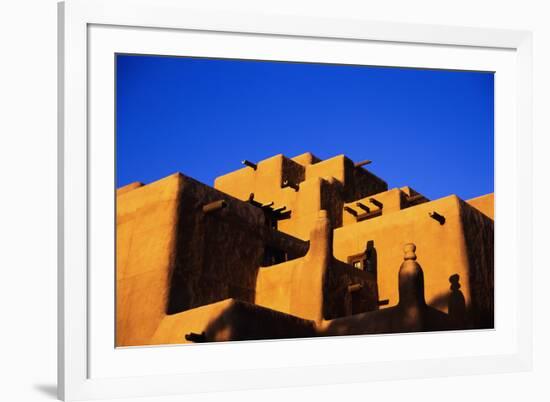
145,213
300,281
391,201
173,328
273,286
307,158
231,319
265,182
128,187
315,194
484,204
441,248
177,266
322,185
315,287
172,257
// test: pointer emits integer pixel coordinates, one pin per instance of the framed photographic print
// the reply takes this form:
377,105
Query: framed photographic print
244,196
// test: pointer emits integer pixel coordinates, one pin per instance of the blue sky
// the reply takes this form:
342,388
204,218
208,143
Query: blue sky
430,129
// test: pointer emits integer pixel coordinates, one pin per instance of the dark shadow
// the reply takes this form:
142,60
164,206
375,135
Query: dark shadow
479,236
371,266
396,319
441,301
217,253
242,321
273,256
348,290
411,314
47,389
371,258
457,303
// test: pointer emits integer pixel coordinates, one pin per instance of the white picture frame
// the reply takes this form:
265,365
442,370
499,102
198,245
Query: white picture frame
76,378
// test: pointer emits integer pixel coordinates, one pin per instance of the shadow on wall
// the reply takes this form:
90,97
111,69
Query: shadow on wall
220,244
371,258
244,321
479,234
454,302
217,251
211,262
457,303
411,314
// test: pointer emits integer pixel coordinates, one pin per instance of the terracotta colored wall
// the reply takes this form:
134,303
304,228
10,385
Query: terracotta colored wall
146,235
485,204
479,236
216,254
175,263
357,182
265,182
172,257
317,280
244,321
315,194
361,183
322,185
274,286
174,327
338,298
128,187
306,158
391,201
441,249
229,320
300,282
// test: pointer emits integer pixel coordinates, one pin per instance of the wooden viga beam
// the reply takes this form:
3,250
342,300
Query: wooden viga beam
279,210
363,206
253,202
249,164
435,216
214,206
351,211
415,198
374,201
363,163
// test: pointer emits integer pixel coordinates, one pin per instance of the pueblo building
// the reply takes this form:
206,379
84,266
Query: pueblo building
297,247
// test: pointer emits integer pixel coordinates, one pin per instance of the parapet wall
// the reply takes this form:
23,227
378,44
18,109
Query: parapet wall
461,246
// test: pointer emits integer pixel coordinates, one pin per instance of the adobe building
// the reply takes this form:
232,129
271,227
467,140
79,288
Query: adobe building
297,247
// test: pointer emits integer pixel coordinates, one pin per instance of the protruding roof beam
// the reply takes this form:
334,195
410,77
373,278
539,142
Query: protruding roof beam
214,206
363,163
250,164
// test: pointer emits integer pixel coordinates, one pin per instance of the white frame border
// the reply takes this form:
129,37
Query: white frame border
74,18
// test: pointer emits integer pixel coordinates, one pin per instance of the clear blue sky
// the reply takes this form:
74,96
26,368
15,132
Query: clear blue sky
430,129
